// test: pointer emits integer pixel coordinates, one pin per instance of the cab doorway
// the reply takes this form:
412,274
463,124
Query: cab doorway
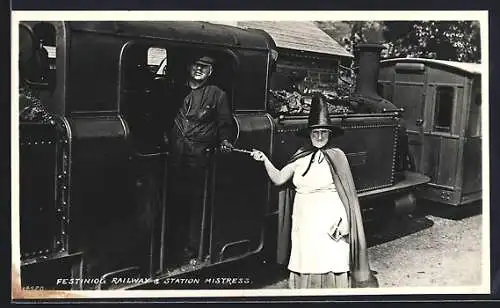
152,90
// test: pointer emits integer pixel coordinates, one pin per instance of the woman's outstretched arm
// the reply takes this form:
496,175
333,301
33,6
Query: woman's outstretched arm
278,177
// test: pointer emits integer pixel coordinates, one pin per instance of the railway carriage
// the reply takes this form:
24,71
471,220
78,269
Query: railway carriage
442,102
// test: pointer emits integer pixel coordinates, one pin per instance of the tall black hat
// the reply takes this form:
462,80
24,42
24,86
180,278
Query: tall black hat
319,117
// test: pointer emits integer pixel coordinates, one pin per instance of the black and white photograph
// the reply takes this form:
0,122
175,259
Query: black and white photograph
202,154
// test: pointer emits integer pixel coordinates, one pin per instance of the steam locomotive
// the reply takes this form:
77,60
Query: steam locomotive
93,108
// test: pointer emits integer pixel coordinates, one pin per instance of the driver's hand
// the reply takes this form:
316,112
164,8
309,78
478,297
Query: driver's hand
226,146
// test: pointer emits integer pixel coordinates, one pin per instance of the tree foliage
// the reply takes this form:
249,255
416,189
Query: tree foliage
444,40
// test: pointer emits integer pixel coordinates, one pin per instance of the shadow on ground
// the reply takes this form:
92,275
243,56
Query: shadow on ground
449,211
397,227
394,227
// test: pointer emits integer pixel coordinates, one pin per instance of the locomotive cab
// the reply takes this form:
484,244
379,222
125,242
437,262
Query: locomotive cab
113,107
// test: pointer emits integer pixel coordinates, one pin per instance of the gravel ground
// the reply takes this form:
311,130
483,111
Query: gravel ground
427,250
446,254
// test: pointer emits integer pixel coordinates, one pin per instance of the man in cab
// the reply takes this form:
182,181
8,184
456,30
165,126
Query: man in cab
203,124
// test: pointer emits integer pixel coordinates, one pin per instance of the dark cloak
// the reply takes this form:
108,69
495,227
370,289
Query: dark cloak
360,274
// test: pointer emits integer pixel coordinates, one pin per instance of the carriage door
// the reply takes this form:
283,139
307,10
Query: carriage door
409,92
443,133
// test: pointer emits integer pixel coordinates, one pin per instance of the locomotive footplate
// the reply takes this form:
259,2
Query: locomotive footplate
411,181
398,199
62,271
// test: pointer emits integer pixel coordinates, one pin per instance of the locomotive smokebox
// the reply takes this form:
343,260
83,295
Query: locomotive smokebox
366,98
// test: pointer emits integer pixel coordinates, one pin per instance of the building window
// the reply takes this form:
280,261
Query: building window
444,109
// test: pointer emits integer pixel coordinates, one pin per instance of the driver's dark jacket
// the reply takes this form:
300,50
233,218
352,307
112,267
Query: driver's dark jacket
203,120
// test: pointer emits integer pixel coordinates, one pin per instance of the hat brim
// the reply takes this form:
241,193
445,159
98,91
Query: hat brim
335,131
203,62
207,60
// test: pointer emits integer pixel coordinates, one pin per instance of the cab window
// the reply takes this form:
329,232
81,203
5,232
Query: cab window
37,69
140,104
46,33
157,60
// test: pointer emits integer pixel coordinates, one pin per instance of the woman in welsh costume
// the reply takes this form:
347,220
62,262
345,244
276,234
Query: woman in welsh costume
328,246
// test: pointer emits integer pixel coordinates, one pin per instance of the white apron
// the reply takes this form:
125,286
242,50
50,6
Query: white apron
317,206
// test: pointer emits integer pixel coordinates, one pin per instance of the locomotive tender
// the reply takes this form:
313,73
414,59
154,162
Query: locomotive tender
93,163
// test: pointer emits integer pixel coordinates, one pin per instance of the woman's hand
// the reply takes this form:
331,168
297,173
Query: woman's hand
338,230
258,155
334,233
278,177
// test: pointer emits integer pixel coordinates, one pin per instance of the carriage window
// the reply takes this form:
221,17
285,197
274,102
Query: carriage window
443,109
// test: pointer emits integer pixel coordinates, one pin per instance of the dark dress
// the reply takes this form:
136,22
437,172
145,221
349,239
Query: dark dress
203,120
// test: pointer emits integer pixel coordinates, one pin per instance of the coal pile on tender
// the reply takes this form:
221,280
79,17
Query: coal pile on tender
295,103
